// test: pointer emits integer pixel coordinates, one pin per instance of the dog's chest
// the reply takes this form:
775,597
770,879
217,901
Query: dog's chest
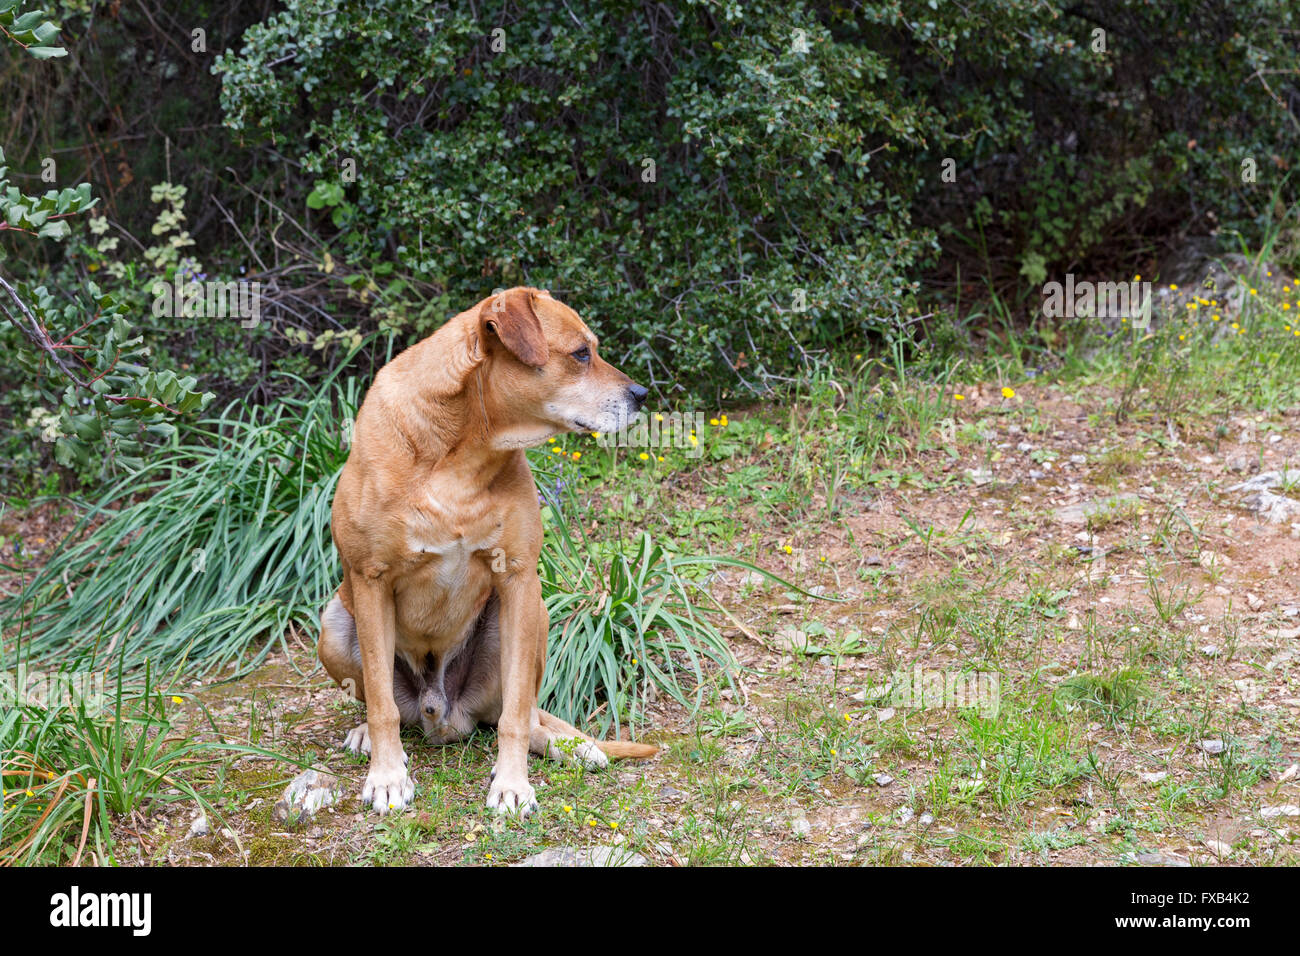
442,590
454,538
447,560
450,540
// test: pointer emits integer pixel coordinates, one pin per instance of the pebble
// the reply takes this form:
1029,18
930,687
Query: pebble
1079,513
306,794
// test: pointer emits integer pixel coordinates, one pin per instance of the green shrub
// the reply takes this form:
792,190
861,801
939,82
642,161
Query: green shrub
795,146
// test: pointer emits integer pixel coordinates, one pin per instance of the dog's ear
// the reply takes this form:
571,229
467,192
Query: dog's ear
509,316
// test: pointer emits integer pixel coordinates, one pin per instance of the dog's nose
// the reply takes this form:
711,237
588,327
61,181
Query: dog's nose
433,710
638,393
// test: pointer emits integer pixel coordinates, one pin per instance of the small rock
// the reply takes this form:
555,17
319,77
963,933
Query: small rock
199,828
979,476
1219,848
801,826
1078,459
905,815
1269,479
1212,746
883,779
1285,810
1154,777
1242,464
1209,650
925,819
1081,512
585,856
790,639
1212,559
1160,859
306,793
1275,508
670,793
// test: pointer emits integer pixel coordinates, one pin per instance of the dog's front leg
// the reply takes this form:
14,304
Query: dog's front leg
521,597
388,786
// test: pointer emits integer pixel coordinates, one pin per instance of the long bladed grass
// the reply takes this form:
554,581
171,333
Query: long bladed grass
217,543
220,547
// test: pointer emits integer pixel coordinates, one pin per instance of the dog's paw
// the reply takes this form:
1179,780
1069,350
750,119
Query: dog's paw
505,797
589,756
358,740
584,753
387,790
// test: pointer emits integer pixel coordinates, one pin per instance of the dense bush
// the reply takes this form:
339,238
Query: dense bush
795,146
821,173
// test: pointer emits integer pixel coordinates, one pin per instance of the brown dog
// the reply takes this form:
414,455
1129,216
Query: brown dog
439,620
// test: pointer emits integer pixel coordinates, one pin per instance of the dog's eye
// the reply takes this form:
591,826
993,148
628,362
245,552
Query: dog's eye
583,354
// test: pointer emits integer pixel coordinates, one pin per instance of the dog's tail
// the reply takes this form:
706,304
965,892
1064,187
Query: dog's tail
623,749
610,748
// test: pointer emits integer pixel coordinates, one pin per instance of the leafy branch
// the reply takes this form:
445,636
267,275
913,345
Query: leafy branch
106,395
30,30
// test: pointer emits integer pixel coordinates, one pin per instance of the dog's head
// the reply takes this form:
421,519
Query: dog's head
545,373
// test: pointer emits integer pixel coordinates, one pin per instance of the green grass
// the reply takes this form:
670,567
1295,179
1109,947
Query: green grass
216,549
71,768
1085,705
215,545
